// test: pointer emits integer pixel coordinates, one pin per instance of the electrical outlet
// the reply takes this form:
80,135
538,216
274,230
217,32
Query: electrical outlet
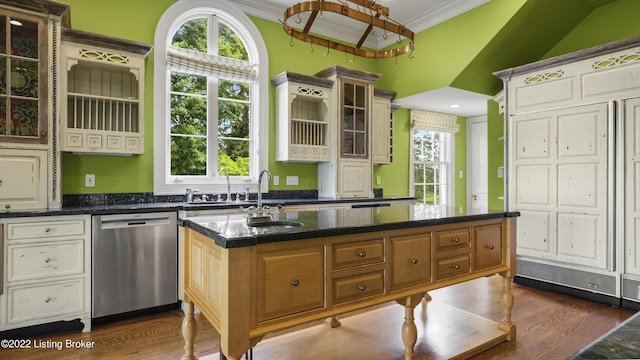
89,180
276,180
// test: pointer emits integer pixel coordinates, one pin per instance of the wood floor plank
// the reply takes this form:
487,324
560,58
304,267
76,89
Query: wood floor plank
549,326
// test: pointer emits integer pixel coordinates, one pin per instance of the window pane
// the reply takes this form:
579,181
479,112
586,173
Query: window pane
233,119
347,143
360,120
188,155
3,74
234,156
348,94
229,44
348,119
24,117
24,39
3,116
188,115
189,84
360,96
360,144
24,78
233,90
192,35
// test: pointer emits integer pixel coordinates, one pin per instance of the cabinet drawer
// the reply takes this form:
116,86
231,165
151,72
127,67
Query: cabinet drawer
358,286
411,260
358,253
45,229
38,260
290,281
487,246
39,301
452,239
452,266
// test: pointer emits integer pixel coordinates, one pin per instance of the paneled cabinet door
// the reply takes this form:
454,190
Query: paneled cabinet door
23,178
632,146
411,260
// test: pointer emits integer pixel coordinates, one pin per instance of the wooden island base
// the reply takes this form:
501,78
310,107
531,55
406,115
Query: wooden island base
444,332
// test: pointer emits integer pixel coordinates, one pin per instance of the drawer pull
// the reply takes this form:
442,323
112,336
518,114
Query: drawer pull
456,266
47,260
47,300
7,206
362,287
414,261
47,230
295,282
491,247
362,253
455,240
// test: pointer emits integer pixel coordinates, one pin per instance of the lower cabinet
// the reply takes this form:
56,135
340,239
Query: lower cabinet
23,179
47,275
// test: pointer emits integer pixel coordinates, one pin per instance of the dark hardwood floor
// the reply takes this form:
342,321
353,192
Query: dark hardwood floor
549,326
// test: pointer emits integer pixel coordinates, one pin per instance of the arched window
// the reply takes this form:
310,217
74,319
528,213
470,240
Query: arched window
210,99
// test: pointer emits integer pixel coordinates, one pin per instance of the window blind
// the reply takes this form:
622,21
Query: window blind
434,121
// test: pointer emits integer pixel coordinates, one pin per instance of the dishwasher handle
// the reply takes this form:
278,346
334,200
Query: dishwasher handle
129,223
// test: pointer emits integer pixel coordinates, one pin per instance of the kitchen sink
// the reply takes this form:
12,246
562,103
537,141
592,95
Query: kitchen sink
276,223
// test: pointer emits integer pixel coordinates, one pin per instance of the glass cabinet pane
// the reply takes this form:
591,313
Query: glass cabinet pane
354,119
24,38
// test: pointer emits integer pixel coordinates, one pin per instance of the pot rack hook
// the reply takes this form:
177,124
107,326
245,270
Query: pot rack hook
327,54
299,19
311,50
291,42
384,27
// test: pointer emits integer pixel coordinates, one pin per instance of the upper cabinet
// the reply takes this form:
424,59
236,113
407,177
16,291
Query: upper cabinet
302,112
103,92
23,78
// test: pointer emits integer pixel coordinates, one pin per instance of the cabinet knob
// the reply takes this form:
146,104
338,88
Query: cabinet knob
362,253
47,230
491,247
414,261
456,266
362,287
7,206
455,240
295,282
47,300
47,260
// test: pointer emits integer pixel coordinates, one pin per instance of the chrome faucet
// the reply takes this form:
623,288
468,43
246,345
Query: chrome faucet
228,183
190,193
260,186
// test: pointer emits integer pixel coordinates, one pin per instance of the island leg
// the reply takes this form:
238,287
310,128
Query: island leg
507,305
189,329
332,322
409,329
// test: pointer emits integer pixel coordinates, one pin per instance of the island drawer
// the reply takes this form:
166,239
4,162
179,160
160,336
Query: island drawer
358,253
40,260
452,239
358,286
453,266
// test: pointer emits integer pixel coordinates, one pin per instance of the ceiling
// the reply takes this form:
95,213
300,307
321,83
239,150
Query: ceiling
416,15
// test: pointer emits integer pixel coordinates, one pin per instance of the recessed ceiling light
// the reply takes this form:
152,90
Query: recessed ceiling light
15,22
453,106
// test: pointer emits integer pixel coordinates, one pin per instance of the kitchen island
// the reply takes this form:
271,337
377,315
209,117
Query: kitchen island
250,281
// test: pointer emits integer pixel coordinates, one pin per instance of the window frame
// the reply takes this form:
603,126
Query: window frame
171,20
448,174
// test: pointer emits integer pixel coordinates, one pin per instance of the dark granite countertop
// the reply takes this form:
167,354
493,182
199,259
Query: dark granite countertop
230,231
130,206
619,343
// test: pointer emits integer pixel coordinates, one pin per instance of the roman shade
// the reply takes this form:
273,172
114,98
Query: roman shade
203,64
434,121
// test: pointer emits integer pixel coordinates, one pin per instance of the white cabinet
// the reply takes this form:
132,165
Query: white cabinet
349,172
47,276
103,92
382,128
23,180
573,168
303,115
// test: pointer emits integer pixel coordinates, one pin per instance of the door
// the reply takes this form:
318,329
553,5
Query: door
478,185
632,195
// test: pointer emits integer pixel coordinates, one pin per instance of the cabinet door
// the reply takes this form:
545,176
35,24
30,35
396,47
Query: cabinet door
354,129
290,281
23,179
355,178
410,260
24,85
632,226
380,131
559,167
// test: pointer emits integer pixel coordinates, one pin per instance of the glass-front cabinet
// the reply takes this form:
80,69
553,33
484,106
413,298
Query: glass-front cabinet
355,125
23,78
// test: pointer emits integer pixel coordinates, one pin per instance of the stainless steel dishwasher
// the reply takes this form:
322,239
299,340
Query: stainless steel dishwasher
134,262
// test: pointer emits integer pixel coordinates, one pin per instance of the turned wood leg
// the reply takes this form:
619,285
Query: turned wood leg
507,305
409,329
189,329
332,322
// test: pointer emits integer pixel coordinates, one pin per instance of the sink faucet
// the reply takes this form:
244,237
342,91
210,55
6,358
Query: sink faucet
228,183
260,186
190,193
